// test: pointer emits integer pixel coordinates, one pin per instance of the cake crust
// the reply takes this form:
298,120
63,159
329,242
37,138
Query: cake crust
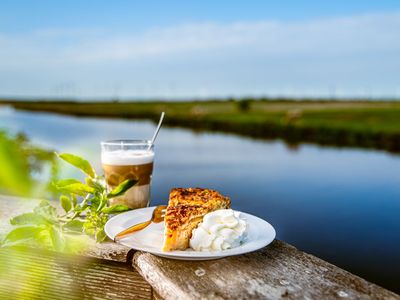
186,209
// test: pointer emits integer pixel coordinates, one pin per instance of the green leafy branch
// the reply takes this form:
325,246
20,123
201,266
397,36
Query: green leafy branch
86,210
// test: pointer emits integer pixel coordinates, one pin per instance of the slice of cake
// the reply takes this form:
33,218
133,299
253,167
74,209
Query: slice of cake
186,209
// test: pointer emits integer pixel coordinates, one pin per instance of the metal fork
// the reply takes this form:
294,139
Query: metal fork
156,217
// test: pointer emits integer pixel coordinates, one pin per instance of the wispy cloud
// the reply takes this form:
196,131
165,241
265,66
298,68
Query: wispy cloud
332,36
369,42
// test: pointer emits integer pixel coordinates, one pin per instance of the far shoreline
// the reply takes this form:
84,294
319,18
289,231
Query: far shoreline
361,123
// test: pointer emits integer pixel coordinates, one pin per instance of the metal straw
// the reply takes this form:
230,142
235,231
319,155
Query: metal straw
157,130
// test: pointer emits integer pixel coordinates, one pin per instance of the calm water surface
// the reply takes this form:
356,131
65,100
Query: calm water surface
342,205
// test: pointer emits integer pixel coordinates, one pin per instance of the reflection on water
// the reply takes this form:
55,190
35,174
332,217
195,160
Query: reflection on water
341,205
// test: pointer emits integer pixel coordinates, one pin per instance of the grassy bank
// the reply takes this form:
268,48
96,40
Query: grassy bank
352,123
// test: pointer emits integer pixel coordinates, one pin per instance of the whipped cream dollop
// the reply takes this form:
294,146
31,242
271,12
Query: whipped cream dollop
220,230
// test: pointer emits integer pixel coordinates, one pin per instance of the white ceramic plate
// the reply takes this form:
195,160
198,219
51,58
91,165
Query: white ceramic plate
260,233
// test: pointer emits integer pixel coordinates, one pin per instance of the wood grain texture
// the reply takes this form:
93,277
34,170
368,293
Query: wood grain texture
278,271
33,274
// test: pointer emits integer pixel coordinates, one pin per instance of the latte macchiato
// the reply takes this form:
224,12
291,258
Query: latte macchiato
129,160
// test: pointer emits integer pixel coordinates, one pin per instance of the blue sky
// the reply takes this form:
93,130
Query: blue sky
188,49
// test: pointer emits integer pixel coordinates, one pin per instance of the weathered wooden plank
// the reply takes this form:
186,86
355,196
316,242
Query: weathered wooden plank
33,274
278,271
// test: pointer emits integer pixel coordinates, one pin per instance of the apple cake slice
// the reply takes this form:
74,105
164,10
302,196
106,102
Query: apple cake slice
186,209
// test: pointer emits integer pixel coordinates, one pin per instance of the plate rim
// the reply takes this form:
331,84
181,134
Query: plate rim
200,255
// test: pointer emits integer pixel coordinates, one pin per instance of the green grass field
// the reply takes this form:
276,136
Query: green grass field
341,123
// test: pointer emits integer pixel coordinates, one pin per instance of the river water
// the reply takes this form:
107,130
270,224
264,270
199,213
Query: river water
342,205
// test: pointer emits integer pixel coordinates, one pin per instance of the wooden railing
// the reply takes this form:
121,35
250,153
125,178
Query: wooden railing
278,271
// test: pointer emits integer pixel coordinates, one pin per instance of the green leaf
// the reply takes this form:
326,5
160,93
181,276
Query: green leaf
122,188
102,204
65,203
39,239
64,182
29,219
77,188
14,176
47,211
95,202
23,233
95,184
24,242
74,200
115,209
79,163
100,236
57,238
74,225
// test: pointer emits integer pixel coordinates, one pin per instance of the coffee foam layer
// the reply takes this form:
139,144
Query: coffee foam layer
127,157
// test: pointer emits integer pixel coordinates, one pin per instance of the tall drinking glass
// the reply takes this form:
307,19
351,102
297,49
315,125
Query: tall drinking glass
129,159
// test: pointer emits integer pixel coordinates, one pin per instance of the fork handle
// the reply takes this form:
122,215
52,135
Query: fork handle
131,229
